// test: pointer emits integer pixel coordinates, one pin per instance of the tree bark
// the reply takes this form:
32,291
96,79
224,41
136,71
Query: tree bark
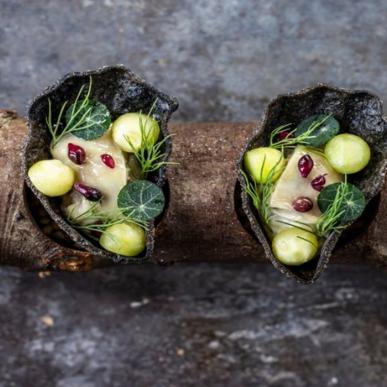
201,222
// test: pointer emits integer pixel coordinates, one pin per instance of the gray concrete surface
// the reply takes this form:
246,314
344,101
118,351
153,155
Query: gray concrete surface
191,325
199,324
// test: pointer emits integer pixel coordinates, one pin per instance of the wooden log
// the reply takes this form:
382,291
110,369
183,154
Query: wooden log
201,223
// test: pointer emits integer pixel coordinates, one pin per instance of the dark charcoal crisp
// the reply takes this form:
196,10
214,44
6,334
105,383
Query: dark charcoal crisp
358,112
121,91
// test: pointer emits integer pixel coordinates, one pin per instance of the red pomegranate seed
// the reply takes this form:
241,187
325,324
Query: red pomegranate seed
302,204
108,160
284,134
305,165
318,182
90,193
76,153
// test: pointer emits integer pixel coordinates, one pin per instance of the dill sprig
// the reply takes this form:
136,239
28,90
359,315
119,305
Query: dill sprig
252,189
297,224
150,155
277,131
100,221
329,221
77,120
260,193
289,140
307,240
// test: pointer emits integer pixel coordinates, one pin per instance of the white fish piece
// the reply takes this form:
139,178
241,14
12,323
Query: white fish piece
291,185
94,173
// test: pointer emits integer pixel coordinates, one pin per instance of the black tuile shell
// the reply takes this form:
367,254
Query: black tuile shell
358,112
121,91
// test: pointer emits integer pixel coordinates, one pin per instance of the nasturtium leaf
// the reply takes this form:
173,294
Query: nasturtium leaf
350,201
322,132
141,200
91,121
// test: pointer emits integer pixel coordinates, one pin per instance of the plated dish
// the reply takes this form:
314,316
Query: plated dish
96,158
308,175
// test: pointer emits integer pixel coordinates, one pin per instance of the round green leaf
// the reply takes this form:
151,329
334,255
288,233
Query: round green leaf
350,201
322,132
141,200
91,121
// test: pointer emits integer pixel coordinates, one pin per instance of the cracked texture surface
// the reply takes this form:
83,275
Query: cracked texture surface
193,325
197,324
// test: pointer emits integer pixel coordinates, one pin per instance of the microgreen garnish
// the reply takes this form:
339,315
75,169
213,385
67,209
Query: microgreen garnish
84,118
275,134
93,220
306,240
141,199
340,204
150,155
260,193
139,202
329,221
325,127
252,189
297,224
306,136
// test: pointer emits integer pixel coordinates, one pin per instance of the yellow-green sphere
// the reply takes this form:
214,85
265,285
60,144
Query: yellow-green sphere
264,163
294,246
131,131
126,239
347,153
51,177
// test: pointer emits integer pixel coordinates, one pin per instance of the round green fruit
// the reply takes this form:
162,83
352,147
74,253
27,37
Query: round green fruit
294,246
51,177
264,164
347,153
132,131
126,239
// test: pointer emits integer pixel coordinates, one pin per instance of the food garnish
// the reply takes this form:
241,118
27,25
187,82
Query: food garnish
340,204
85,118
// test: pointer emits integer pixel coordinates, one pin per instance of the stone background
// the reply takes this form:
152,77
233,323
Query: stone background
195,325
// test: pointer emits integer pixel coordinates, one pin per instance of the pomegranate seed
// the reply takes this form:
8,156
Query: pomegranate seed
108,160
90,193
305,165
76,153
318,182
284,134
302,204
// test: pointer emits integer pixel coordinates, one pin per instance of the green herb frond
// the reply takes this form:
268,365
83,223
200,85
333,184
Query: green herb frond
306,240
274,134
296,224
251,188
150,155
302,139
260,193
267,190
94,220
329,221
78,116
